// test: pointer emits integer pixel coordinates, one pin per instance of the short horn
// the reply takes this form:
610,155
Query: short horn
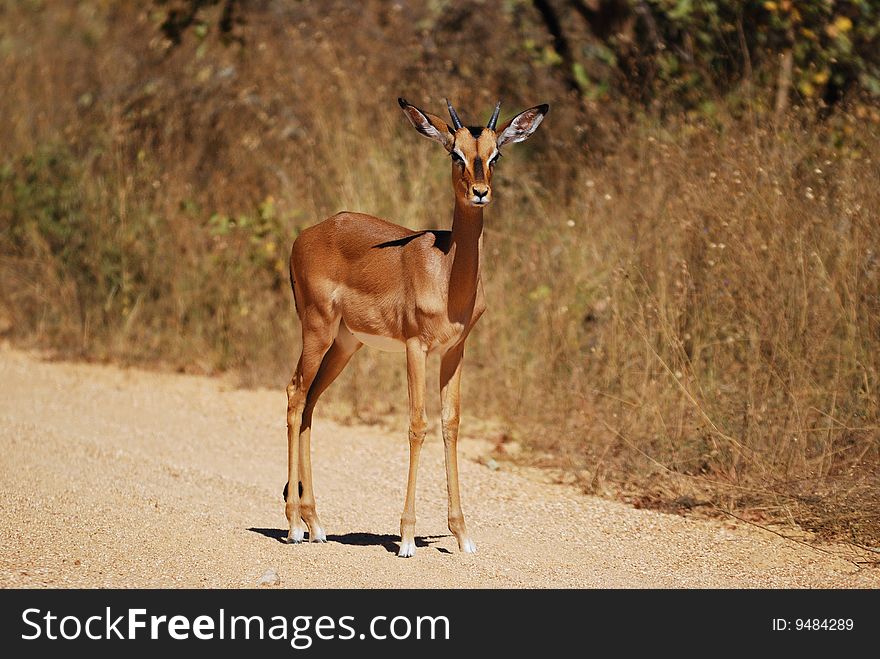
456,122
494,119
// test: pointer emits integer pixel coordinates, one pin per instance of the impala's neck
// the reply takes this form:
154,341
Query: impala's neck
467,241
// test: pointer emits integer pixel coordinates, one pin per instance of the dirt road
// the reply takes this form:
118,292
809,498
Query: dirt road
124,478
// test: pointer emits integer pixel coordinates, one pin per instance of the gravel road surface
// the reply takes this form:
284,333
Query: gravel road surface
123,478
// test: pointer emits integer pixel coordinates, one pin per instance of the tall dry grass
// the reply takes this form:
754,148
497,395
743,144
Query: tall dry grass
686,309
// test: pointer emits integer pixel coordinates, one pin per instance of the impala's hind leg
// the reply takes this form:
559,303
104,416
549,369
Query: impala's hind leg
334,361
317,339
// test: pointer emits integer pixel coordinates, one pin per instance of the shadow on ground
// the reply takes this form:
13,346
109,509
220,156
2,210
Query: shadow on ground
391,543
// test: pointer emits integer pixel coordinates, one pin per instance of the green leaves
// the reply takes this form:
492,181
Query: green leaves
678,51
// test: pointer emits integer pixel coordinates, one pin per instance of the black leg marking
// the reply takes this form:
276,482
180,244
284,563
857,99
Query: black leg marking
286,487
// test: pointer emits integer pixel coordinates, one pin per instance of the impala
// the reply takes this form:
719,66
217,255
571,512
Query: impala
358,279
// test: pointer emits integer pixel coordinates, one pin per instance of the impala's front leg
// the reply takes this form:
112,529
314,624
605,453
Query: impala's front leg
418,425
450,387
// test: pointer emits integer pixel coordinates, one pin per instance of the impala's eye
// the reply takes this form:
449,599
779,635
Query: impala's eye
494,160
457,159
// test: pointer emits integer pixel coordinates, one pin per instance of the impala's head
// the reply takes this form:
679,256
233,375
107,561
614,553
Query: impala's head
474,150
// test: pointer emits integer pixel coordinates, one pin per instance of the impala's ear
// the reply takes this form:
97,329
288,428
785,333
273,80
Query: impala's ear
522,125
428,124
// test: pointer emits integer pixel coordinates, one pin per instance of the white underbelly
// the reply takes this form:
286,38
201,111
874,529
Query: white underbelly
380,342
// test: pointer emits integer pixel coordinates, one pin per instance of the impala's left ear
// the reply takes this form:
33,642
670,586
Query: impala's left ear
522,125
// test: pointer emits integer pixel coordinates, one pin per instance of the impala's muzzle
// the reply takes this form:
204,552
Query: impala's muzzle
481,194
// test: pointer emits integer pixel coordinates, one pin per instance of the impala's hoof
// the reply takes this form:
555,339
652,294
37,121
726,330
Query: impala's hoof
318,535
407,549
467,546
295,536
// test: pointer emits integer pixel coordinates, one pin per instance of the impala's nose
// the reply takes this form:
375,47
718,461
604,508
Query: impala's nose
480,194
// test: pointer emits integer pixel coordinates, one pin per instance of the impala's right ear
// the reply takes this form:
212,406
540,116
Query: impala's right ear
428,124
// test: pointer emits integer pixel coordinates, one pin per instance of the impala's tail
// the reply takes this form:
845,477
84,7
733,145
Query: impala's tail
293,282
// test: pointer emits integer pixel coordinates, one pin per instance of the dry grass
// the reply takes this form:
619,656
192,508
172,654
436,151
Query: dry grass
685,310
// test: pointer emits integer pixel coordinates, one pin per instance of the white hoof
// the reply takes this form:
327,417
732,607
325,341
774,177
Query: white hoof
468,546
295,536
407,549
318,535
